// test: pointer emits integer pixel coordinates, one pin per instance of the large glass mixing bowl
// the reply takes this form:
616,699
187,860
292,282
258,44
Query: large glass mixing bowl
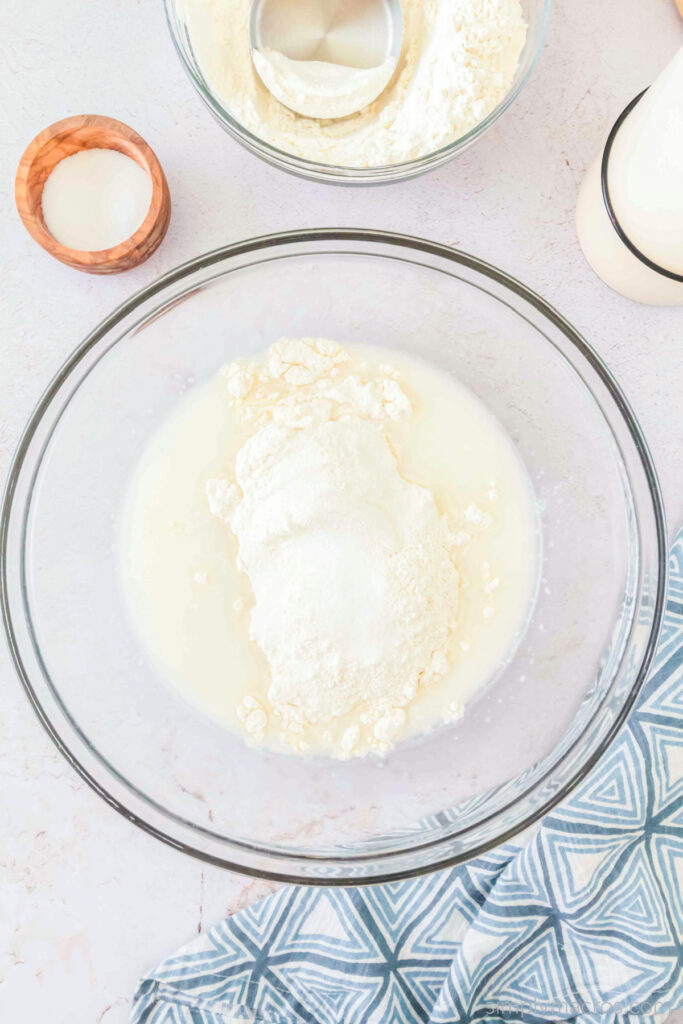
537,15
521,746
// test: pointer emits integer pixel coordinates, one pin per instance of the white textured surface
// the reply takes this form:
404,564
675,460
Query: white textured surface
87,902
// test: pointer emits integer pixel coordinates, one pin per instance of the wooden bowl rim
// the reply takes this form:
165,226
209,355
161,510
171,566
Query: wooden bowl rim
149,162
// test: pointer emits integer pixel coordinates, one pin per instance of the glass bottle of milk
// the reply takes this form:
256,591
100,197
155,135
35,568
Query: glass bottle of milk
638,250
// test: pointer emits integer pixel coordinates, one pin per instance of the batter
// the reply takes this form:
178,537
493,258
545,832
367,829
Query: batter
331,550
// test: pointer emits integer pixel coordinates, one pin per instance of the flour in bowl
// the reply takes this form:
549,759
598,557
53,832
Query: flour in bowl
457,64
330,548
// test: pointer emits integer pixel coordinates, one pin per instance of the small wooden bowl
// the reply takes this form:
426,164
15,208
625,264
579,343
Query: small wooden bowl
62,139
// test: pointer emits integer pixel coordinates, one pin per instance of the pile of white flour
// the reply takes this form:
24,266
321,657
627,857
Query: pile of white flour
458,62
351,566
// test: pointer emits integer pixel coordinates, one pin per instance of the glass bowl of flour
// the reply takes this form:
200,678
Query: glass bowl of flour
337,590
463,63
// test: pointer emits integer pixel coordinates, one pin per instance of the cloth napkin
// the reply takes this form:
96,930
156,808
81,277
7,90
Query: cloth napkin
584,923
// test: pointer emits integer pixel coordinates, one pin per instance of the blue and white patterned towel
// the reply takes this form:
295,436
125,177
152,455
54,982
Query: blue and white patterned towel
583,924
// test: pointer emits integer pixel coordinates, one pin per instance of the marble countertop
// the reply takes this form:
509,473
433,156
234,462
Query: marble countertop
88,901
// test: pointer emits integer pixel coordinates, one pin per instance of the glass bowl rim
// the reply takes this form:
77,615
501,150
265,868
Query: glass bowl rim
353,176
257,245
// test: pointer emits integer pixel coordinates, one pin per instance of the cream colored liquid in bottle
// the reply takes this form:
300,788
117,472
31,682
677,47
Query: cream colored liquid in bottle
645,180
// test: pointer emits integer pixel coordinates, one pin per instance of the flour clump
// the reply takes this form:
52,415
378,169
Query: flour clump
351,565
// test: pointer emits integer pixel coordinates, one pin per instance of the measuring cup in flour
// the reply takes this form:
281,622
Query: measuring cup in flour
326,58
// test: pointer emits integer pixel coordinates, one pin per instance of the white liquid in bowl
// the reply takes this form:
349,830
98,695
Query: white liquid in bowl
192,605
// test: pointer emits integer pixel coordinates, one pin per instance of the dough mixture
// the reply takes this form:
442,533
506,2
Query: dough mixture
458,62
342,567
